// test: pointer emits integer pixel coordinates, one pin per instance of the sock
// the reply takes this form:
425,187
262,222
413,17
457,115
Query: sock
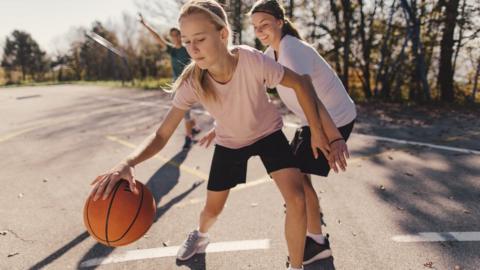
291,268
202,234
319,238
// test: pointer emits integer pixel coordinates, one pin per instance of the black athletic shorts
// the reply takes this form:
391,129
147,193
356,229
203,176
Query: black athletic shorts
229,166
301,147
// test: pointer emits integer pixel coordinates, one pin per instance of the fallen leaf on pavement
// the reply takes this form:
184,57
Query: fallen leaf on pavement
12,254
428,264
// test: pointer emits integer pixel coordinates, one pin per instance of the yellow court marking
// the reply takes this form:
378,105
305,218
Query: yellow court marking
191,171
51,122
203,176
6,137
185,168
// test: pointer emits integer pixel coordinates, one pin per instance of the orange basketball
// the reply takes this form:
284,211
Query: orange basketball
123,217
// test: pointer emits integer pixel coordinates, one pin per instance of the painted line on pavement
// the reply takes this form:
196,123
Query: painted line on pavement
438,237
151,253
194,172
182,167
434,146
262,180
6,137
50,122
380,138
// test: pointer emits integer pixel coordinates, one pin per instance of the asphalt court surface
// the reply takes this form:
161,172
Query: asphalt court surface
402,204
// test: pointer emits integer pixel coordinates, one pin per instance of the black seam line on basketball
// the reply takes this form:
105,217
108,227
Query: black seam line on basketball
133,221
146,230
109,208
88,221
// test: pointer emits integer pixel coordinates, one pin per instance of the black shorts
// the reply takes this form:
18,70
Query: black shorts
302,150
229,166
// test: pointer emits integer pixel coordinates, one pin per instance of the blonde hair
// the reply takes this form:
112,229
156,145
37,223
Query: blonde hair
218,17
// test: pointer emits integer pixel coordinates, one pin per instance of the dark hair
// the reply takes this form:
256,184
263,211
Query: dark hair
174,29
275,9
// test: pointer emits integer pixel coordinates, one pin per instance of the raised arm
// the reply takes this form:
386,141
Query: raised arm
161,41
104,183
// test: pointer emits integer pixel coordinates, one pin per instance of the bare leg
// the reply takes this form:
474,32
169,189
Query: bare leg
290,184
213,207
314,224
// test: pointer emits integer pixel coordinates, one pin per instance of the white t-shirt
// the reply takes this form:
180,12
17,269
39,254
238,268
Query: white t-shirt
243,112
302,58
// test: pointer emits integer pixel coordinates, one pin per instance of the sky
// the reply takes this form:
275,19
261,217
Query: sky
49,21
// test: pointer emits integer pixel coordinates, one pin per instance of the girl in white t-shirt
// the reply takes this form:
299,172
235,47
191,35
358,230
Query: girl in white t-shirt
287,48
231,84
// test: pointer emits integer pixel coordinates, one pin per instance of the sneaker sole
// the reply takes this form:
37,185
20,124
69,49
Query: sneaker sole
322,255
198,250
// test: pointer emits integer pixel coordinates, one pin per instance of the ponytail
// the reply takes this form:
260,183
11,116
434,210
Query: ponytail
289,29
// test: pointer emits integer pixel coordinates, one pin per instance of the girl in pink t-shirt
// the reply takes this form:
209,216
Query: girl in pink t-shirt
230,84
285,45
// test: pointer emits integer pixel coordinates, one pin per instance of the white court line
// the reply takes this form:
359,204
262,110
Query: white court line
142,254
379,138
295,125
435,146
438,237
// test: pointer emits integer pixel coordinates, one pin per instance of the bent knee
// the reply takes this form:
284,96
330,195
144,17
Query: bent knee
296,199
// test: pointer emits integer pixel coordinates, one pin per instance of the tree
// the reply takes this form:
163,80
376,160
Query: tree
290,8
445,75
98,62
475,84
420,71
347,18
367,43
237,21
22,52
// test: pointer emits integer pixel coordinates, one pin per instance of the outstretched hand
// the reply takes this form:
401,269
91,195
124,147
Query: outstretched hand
338,155
208,138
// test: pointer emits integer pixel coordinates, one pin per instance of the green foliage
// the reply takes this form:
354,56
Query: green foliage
22,53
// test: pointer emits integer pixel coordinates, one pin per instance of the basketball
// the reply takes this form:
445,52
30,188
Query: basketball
123,217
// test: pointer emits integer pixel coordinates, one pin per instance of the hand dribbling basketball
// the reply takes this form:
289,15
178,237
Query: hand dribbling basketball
104,183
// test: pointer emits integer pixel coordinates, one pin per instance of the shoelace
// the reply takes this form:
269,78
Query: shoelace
192,237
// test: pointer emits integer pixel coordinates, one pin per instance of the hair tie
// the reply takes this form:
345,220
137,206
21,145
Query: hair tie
336,140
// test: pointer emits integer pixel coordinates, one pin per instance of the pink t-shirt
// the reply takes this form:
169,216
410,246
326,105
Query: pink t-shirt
243,112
